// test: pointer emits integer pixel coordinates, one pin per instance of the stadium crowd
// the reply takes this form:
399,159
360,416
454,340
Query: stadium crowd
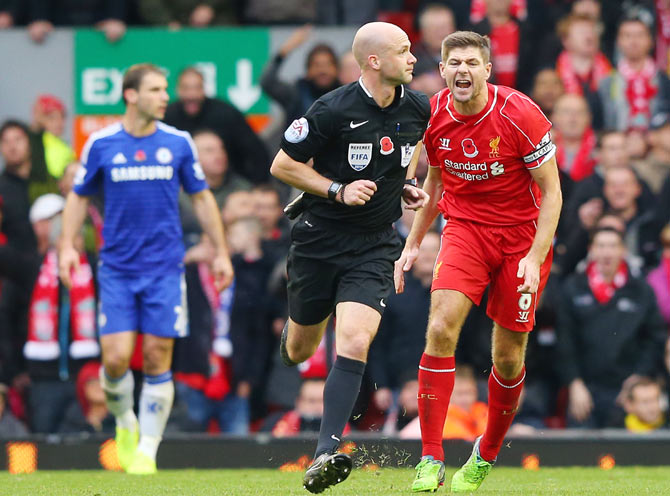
600,353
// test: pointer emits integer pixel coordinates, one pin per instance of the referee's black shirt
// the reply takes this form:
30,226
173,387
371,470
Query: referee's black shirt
350,137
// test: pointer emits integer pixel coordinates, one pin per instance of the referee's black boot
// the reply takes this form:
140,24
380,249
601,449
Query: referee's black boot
327,470
283,352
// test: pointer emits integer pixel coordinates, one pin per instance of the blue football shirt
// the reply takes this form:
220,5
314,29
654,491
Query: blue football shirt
140,178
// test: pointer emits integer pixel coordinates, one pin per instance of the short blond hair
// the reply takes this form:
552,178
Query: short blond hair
565,24
465,39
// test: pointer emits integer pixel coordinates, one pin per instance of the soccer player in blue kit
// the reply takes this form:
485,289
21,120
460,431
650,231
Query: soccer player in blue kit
139,165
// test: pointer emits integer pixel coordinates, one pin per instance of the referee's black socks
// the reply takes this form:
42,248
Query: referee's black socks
342,388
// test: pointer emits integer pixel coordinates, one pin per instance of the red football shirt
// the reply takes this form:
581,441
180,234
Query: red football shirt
485,158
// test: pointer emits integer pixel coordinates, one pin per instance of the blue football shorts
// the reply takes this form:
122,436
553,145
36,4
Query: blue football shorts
152,304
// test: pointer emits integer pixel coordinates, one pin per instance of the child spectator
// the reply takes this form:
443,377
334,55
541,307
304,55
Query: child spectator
466,417
89,412
642,403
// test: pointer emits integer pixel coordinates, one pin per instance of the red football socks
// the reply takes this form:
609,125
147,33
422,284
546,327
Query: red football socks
503,401
436,382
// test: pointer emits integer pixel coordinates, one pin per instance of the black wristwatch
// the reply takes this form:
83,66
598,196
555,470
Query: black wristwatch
412,181
333,190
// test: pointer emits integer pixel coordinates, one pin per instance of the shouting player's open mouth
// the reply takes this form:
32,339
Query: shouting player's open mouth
463,83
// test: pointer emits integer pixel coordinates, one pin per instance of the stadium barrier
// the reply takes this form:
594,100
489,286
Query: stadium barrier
605,448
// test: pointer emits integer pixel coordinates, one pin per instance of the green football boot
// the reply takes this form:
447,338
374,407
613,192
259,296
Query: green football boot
126,444
142,465
429,475
471,475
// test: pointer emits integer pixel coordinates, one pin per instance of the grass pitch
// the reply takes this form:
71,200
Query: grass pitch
624,481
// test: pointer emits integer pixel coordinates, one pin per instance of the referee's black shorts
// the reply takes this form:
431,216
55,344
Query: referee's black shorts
327,266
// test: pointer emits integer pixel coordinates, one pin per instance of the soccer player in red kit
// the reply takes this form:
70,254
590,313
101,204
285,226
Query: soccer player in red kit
494,177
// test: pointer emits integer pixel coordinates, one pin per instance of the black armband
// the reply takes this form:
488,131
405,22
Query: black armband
412,181
333,190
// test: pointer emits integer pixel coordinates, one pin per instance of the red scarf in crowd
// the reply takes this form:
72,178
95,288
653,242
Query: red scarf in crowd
218,384
478,10
583,162
43,315
663,35
601,289
640,90
573,82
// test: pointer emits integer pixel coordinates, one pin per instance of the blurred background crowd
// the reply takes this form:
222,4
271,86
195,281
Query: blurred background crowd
600,354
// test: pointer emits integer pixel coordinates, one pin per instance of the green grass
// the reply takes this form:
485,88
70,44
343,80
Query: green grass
626,481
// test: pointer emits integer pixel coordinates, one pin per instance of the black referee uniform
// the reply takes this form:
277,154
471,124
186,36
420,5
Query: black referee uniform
341,252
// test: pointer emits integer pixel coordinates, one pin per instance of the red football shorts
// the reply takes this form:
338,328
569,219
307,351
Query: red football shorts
472,256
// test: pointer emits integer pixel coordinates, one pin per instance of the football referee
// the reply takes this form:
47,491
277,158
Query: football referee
364,139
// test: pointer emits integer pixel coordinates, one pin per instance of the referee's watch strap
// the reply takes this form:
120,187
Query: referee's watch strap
412,181
333,190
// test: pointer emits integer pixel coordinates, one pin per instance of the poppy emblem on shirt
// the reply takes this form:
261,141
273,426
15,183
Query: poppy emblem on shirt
140,156
469,148
386,146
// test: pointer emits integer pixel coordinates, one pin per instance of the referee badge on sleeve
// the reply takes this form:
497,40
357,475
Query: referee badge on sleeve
407,151
359,155
297,131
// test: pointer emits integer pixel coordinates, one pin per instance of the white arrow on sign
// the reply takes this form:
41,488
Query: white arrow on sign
244,94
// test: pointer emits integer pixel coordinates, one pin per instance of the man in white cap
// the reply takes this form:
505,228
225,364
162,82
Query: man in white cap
42,213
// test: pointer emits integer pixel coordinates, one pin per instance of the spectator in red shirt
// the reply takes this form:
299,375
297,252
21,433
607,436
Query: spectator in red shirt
574,138
581,65
510,49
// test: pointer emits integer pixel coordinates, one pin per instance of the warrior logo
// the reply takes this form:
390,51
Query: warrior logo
444,144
